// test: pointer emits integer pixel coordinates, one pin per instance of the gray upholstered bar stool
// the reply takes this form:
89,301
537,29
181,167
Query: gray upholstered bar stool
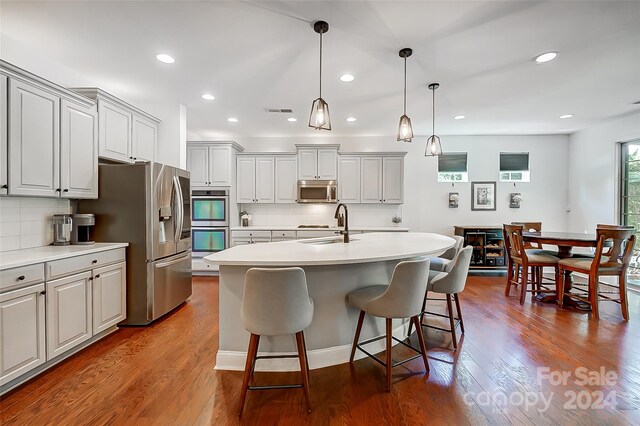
275,302
444,262
450,284
400,299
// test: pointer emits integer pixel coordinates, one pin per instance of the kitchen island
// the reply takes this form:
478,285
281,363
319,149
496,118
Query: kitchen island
333,269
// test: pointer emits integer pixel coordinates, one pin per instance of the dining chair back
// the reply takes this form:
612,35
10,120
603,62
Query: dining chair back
513,241
615,247
530,227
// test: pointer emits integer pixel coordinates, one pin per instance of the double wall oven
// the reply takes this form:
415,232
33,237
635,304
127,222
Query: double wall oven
209,221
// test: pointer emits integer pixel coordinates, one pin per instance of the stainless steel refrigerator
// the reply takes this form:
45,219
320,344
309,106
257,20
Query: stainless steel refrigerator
147,205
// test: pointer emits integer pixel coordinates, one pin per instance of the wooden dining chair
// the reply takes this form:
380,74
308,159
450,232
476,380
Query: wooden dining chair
522,261
535,247
612,257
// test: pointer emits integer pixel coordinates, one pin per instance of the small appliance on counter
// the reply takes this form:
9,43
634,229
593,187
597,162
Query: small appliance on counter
62,229
82,229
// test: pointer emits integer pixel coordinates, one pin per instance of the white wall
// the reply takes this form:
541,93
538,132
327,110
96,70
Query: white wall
426,200
593,172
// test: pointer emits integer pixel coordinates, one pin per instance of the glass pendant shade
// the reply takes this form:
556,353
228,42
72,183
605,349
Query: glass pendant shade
405,131
319,118
433,147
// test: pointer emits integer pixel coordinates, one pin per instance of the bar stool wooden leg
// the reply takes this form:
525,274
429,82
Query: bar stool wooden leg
624,303
452,322
424,304
389,361
423,347
306,354
304,371
248,369
357,337
457,300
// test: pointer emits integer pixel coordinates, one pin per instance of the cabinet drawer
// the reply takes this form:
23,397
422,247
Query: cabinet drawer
316,234
24,275
61,268
280,235
249,234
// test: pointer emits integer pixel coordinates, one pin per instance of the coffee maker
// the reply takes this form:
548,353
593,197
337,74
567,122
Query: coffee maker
82,229
62,229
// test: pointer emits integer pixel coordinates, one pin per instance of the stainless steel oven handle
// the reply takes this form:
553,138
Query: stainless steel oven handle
171,262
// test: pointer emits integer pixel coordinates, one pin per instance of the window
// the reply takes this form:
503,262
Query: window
630,198
514,167
452,167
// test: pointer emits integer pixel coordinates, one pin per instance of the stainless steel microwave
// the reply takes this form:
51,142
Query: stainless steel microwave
317,191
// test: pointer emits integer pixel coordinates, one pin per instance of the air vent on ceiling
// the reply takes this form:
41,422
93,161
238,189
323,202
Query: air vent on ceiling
637,103
285,110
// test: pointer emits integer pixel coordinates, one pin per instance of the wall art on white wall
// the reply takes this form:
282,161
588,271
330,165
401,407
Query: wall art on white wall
454,197
515,198
483,196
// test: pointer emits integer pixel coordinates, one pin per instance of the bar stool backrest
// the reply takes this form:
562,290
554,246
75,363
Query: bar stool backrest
403,298
615,246
530,227
455,280
276,301
514,242
451,253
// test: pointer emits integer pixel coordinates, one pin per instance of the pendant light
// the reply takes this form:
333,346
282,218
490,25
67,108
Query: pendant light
319,118
405,131
434,148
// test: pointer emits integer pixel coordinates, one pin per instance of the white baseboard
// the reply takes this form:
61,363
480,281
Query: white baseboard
318,358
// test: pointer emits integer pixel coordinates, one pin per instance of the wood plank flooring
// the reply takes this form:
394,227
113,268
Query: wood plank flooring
163,374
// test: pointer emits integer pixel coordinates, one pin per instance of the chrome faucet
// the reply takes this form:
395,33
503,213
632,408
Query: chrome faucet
346,221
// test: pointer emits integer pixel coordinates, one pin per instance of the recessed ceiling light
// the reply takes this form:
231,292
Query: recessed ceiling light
347,78
208,97
546,57
459,117
292,119
167,59
351,119
566,116
232,120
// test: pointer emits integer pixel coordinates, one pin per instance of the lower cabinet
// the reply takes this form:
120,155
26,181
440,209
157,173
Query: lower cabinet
69,318
22,331
109,301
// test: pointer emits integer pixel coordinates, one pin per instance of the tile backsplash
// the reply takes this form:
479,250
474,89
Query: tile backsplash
320,214
27,222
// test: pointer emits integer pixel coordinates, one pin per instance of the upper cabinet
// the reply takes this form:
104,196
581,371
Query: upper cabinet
126,133
211,163
255,179
349,179
371,178
315,163
286,185
49,138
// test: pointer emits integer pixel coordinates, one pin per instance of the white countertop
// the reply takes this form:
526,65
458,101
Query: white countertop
30,256
363,248
333,228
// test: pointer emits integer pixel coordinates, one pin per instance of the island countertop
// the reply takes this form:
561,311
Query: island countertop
363,248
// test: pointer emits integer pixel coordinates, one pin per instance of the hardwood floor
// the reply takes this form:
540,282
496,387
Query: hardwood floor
163,374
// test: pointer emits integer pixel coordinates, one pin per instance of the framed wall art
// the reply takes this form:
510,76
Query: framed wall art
483,196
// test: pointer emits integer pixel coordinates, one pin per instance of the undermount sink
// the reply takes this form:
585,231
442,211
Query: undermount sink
321,242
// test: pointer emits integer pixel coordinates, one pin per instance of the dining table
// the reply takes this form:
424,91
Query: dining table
565,241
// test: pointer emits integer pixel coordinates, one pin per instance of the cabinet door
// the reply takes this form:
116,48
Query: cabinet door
393,180
78,151
22,332
69,321
349,180
34,141
219,166
327,164
114,133
286,184
145,136
4,113
307,164
371,180
109,301
265,177
245,179
198,165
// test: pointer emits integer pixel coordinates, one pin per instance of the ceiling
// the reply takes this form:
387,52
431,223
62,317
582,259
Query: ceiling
254,55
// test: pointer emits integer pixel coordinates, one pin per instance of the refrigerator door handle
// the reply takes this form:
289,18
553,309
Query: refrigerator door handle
171,262
179,209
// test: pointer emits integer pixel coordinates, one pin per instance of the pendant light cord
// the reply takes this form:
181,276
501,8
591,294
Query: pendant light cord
433,113
405,85
321,63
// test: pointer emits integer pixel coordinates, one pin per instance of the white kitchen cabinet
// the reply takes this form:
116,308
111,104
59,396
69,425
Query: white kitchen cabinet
265,179
219,165
349,179
246,180
78,151
144,137
211,164
114,132
4,113
22,331
286,184
392,180
198,165
34,140
109,301
69,313
249,237
371,180
318,163
255,179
